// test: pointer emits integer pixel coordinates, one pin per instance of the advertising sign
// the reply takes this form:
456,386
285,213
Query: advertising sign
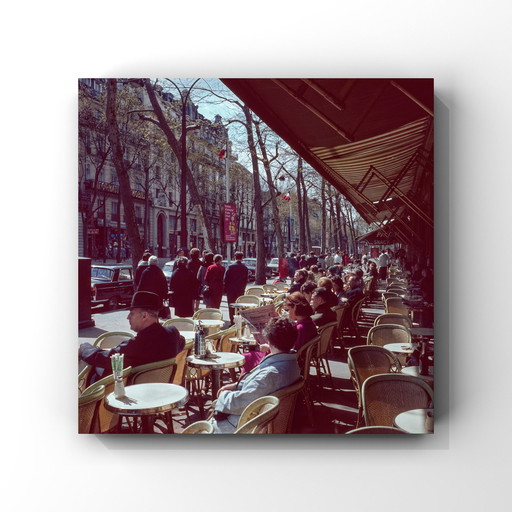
229,222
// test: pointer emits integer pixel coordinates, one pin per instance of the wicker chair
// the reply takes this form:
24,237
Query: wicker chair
199,427
365,361
376,430
257,416
304,356
182,324
108,421
340,314
221,341
208,314
88,404
279,298
281,287
387,395
283,422
319,357
160,371
397,289
269,288
181,364
393,318
388,333
255,290
249,299
105,341
387,295
395,305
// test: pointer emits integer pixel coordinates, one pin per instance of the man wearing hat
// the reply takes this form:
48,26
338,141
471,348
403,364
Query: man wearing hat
152,343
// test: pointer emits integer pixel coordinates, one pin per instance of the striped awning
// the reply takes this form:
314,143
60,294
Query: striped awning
372,139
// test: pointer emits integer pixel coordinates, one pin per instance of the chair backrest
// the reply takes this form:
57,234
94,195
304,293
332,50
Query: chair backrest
249,299
182,324
376,430
223,343
257,415
83,377
387,395
356,310
388,333
326,333
395,305
304,355
387,295
367,360
396,288
281,286
160,371
111,339
107,420
393,318
255,290
340,313
199,427
279,298
88,404
283,422
208,314
181,364
269,288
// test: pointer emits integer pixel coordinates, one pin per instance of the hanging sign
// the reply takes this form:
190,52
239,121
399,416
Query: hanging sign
229,222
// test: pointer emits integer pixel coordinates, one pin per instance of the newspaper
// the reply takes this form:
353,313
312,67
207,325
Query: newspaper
257,318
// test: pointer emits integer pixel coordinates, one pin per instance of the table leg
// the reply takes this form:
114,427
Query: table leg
147,424
215,374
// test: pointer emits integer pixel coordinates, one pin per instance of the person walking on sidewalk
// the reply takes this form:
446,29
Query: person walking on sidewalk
235,281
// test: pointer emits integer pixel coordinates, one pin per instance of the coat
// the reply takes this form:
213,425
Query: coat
154,280
185,289
214,278
235,280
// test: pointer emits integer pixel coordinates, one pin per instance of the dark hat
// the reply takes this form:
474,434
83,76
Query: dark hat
146,300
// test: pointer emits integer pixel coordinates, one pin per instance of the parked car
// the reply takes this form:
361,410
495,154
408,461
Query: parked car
167,270
274,266
250,263
111,285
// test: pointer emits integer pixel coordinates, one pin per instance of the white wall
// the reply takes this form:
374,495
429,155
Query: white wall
465,47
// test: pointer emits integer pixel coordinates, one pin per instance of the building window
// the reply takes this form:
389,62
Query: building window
193,225
114,215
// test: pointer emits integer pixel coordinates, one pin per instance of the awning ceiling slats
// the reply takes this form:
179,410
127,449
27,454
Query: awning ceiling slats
345,128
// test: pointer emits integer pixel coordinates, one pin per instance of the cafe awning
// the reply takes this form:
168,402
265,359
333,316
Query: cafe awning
372,139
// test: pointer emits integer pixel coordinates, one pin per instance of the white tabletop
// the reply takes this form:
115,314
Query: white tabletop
400,348
414,421
224,360
149,398
243,305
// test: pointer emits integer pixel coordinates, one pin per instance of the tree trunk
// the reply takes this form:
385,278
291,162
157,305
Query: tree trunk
273,194
305,210
176,149
125,189
302,227
260,243
324,218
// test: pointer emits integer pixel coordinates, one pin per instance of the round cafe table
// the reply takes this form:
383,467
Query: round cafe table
147,400
400,348
223,361
414,421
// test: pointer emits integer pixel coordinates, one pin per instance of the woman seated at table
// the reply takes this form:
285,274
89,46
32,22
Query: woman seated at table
323,313
307,289
337,287
325,282
276,371
299,311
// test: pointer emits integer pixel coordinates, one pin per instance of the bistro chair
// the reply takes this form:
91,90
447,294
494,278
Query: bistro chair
401,290
257,416
112,339
255,290
221,341
388,333
395,305
280,287
340,314
279,298
387,295
208,314
319,356
182,324
249,299
105,341
387,395
269,288
181,364
283,422
108,421
88,404
376,430
365,361
304,356
199,427
160,371
393,318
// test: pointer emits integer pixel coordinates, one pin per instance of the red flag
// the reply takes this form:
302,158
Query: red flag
286,197
222,153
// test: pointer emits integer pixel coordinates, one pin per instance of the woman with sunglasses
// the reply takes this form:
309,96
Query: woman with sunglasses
299,312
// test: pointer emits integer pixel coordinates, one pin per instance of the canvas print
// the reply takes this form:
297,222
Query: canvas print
256,256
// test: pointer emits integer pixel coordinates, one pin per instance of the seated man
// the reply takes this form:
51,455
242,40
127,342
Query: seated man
353,294
323,313
276,371
153,342
298,280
